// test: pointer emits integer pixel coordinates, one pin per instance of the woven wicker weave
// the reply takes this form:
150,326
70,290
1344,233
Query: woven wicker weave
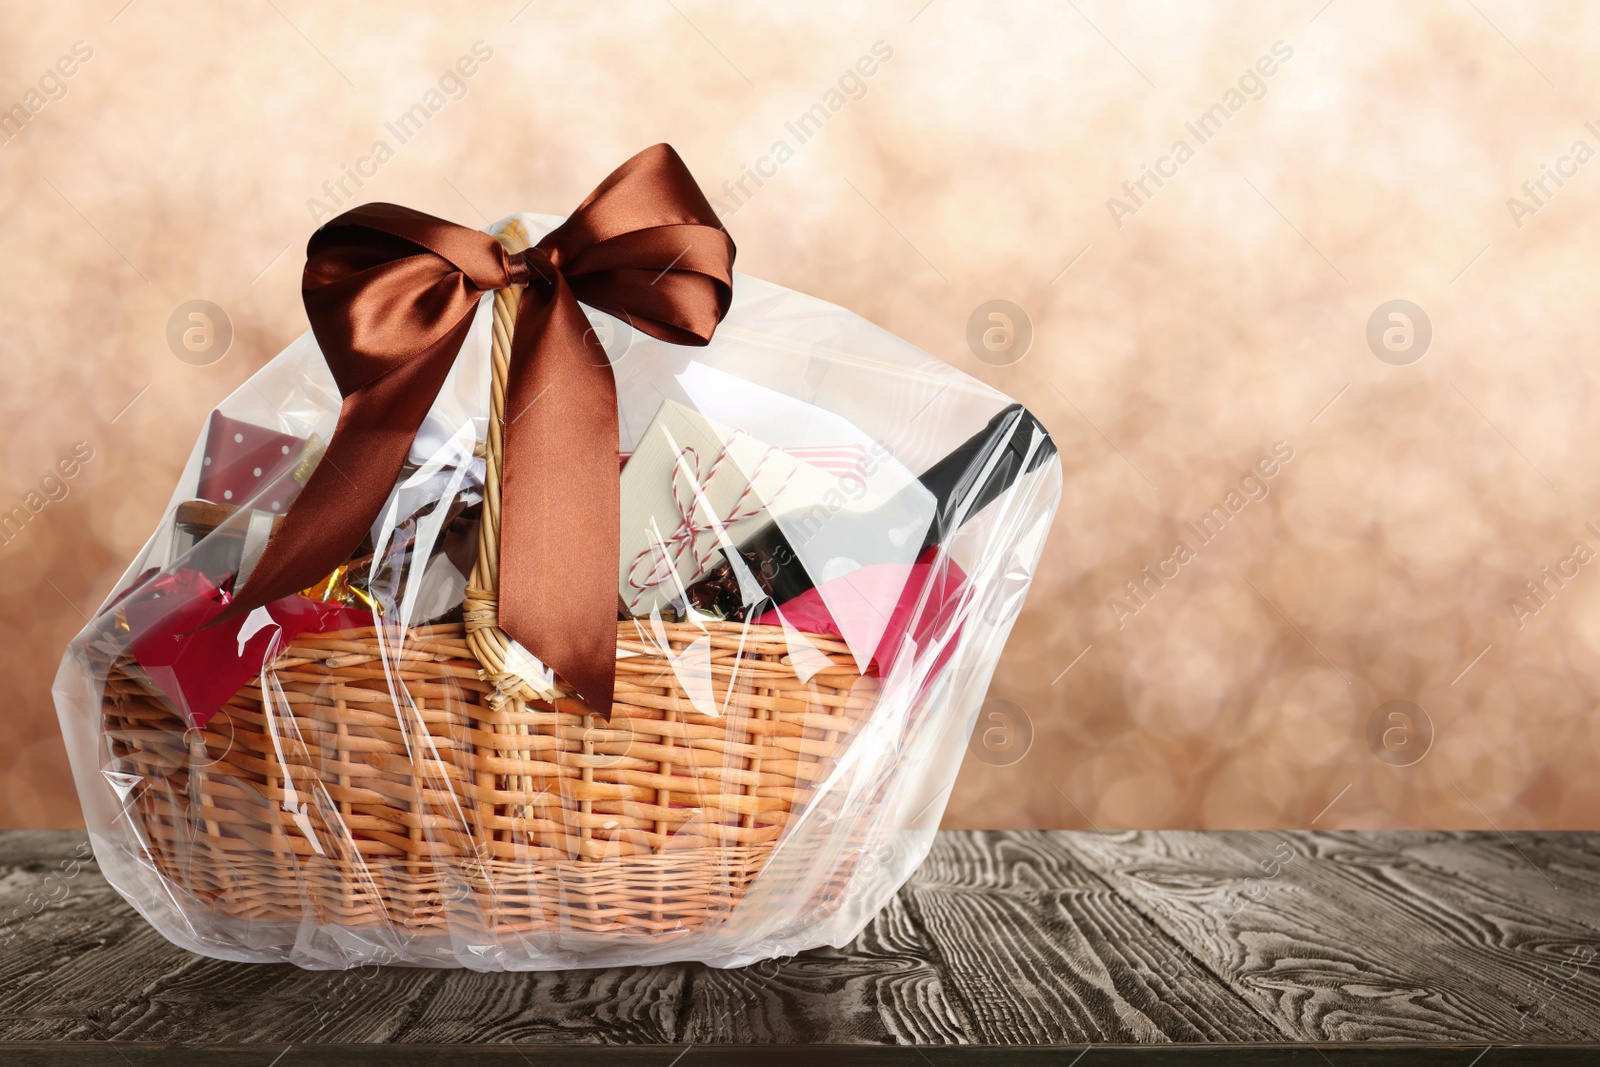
481,799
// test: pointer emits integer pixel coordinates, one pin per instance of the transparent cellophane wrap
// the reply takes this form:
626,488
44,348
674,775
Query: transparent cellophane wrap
758,790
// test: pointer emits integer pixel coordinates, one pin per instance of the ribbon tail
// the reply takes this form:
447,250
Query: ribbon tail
560,516
334,512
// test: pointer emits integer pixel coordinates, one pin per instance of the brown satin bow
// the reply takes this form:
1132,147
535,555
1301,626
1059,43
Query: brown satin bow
391,293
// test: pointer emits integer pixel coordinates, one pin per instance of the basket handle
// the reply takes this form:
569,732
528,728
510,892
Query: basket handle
505,663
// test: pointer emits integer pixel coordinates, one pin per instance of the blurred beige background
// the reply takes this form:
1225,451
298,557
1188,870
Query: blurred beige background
1179,336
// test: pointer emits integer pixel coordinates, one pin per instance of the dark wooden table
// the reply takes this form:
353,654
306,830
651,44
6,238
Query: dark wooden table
1046,947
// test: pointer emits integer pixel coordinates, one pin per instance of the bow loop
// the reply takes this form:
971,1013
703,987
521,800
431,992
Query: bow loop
391,293
673,283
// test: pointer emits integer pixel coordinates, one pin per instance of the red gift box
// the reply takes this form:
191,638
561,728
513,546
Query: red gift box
201,667
246,463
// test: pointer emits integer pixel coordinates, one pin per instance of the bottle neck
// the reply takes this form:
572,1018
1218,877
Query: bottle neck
962,483
973,476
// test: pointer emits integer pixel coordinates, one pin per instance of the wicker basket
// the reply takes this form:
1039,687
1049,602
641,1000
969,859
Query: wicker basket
480,801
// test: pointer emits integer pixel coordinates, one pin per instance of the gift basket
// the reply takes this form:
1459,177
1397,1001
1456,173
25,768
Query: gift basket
560,599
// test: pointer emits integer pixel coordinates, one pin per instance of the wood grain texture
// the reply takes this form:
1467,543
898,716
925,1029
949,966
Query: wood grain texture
1373,937
1004,944
373,1055
886,988
67,941
1039,950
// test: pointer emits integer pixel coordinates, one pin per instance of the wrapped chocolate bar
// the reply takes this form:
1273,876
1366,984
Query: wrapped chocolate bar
468,640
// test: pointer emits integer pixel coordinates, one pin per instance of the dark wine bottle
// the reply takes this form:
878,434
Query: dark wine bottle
963,483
